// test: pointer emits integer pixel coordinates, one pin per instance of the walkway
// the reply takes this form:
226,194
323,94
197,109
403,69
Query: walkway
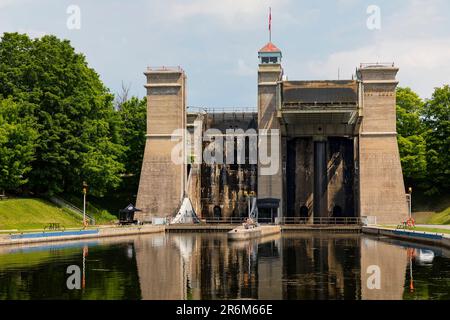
434,226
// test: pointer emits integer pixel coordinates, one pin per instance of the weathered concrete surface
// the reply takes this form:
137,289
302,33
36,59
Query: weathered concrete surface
162,183
224,186
270,186
300,181
382,190
340,173
339,199
353,122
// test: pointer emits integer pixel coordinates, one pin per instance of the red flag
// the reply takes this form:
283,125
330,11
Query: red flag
270,19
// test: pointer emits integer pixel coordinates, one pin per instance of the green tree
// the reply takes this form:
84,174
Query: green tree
411,141
79,137
17,143
437,122
133,115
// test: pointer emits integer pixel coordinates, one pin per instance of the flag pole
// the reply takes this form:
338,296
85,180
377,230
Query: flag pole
270,24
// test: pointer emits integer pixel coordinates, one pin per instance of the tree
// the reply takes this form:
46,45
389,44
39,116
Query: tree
133,115
79,137
17,143
411,141
437,122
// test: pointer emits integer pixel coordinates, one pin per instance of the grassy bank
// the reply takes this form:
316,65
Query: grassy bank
100,209
424,229
30,213
35,213
440,218
431,209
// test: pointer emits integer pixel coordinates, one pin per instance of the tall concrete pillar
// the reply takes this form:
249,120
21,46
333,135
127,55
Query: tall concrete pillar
269,76
381,186
320,179
162,183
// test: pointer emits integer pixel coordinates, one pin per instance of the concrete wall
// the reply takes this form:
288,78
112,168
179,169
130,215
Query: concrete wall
270,186
382,190
340,177
225,186
300,177
162,182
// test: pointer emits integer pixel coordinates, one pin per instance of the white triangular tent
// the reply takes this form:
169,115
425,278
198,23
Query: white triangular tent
186,214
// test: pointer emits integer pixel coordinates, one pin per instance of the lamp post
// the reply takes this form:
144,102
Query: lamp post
410,202
85,186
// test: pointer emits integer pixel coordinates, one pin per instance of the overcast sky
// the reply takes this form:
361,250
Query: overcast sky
216,42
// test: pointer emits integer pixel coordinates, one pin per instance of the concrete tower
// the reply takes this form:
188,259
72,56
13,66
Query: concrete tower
162,183
270,75
382,190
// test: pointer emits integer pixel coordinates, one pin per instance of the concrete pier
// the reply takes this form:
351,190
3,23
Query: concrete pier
36,237
431,238
242,234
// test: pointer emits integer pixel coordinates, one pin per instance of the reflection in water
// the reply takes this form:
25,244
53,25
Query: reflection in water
207,266
392,260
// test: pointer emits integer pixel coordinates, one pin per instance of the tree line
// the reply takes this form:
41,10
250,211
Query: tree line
424,139
60,126
58,122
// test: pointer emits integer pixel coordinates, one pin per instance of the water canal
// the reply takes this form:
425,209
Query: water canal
207,266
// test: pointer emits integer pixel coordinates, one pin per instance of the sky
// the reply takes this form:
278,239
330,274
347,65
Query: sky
216,42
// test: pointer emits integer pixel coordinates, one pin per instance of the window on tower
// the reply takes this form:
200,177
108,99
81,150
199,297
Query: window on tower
266,60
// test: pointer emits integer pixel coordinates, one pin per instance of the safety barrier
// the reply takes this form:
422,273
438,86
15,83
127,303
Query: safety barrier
321,220
290,221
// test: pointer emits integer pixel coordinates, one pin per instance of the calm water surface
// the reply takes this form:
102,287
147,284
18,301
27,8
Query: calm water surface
207,266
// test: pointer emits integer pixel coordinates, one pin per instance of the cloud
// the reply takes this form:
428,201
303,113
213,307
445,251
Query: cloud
243,69
5,3
233,13
8,3
407,38
424,64
33,33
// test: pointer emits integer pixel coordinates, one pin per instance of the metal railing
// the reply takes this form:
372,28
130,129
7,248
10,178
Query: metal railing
70,206
321,221
234,220
289,221
165,68
377,64
197,109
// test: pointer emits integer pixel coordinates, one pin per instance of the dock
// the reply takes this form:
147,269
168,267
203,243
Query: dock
68,235
241,233
430,238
